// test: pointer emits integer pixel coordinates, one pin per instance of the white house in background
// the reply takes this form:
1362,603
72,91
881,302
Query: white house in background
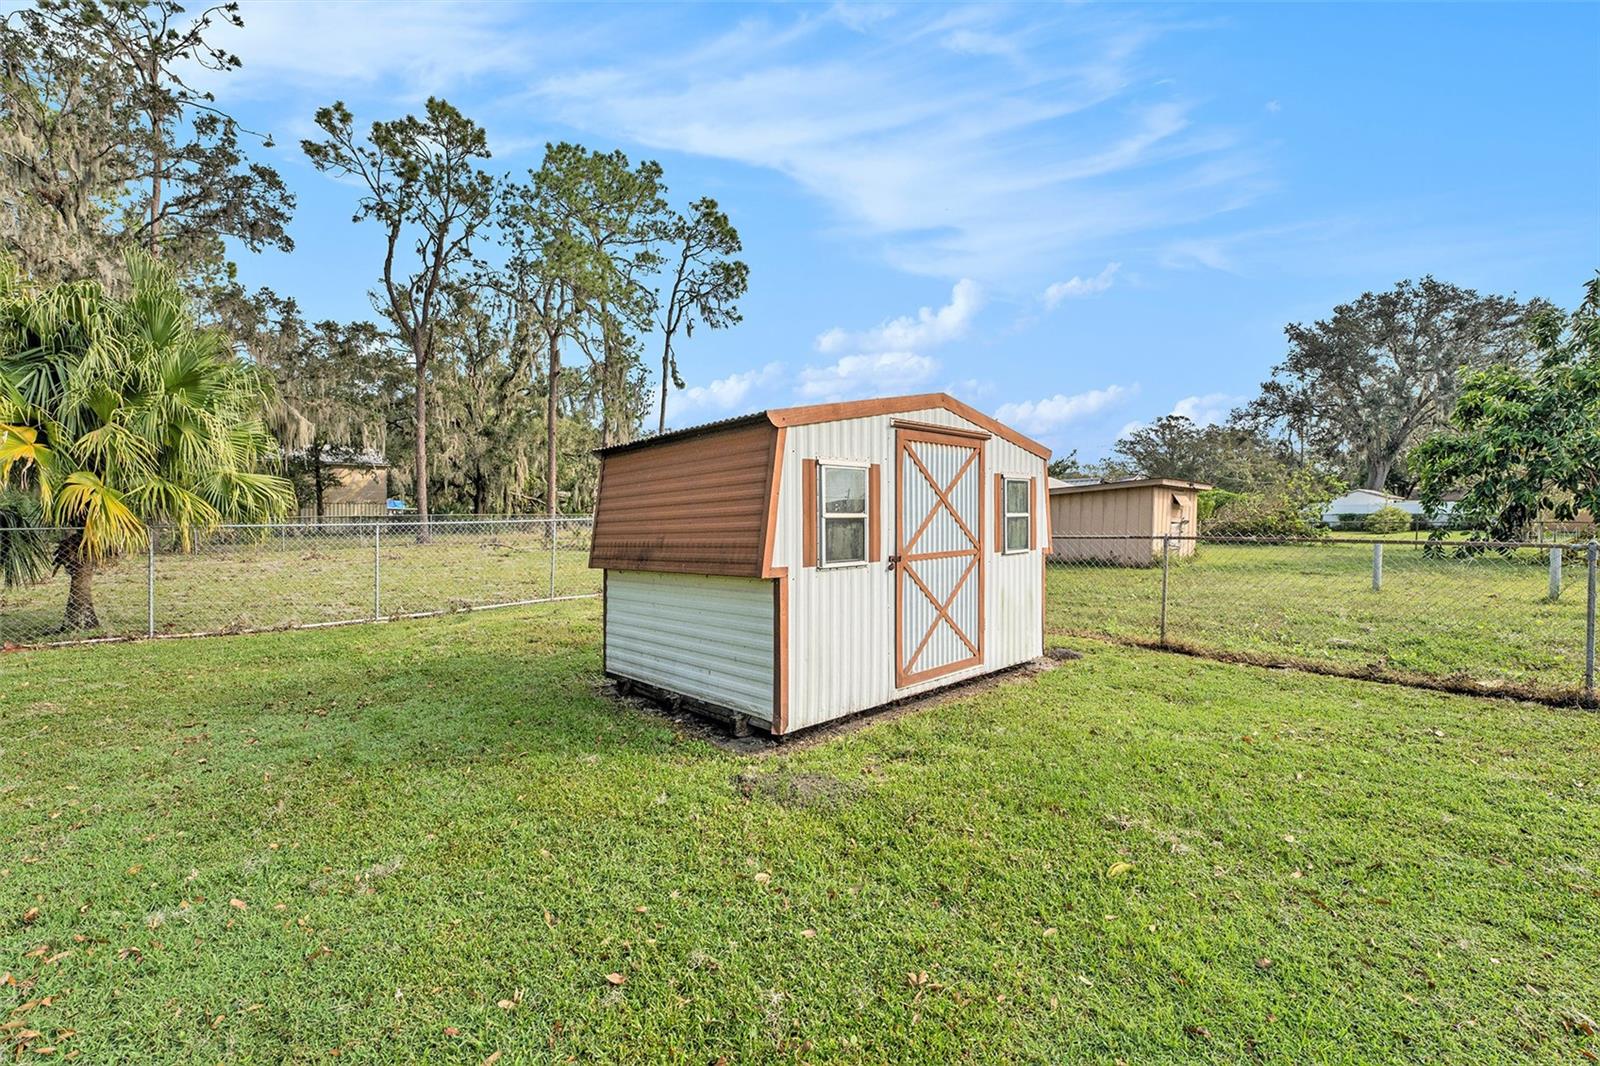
1364,502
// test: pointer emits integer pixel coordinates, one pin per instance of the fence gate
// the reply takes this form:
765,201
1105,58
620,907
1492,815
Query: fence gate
938,554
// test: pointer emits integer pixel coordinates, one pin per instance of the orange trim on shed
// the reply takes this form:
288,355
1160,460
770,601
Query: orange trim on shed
999,513
808,512
890,405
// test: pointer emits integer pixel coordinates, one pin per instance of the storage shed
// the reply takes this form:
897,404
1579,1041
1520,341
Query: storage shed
1122,522
797,565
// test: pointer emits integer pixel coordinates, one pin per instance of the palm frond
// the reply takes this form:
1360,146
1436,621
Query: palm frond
109,525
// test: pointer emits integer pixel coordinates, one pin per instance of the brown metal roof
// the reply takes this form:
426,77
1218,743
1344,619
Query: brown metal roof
1130,483
699,505
754,418
833,412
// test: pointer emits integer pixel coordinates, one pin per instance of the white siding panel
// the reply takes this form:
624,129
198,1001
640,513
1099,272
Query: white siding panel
698,635
841,621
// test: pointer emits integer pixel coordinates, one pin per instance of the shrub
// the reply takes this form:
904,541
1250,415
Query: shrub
1293,509
24,548
1209,502
1388,520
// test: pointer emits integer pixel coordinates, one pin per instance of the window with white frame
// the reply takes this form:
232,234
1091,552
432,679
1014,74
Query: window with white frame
843,514
1018,515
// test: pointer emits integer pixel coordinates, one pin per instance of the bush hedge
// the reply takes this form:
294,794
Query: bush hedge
1388,520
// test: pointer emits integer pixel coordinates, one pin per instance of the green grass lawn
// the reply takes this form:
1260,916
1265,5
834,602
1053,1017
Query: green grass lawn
311,577
1486,616
433,841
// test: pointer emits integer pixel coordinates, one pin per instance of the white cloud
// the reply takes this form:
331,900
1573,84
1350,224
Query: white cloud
424,47
727,395
925,329
1047,415
949,163
970,388
1211,409
1213,253
871,374
1077,287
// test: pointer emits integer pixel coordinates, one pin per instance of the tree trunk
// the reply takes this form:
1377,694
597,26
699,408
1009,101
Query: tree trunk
661,426
550,427
316,477
1378,473
80,595
155,159
605,375
422,452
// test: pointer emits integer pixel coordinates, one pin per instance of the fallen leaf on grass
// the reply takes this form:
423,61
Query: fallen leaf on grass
616,978
491,1060
238,904
1197,1032
1119,868
1263,963
30,915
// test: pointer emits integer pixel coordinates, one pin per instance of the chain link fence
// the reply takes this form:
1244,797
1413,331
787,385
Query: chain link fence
240,578
1515,618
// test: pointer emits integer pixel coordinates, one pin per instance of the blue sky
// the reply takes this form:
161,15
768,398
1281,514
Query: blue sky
1075,217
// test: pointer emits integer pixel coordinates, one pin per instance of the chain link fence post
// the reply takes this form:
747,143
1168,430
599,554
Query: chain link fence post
1588,644
1166,554
1377,566
377,571
150,584
1555,573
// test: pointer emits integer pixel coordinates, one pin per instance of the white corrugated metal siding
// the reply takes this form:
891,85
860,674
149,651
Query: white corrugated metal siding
841,620
698,635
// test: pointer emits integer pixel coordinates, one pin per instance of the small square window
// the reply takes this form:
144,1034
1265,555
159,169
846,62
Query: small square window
843,515
1018,515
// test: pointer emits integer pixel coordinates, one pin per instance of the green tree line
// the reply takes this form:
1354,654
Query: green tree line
512,312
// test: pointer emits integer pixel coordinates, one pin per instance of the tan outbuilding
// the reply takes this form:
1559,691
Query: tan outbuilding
797,565
1123,522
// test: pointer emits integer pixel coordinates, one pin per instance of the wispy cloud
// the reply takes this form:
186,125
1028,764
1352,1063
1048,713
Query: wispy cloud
1054,412
1077,287
729,395
1211,409
860,376
949,162
413,47
925,329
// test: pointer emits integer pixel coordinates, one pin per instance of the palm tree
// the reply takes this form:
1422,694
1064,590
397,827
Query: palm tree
24,543
118,412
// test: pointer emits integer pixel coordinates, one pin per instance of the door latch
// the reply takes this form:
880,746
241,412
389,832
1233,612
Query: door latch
893,559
